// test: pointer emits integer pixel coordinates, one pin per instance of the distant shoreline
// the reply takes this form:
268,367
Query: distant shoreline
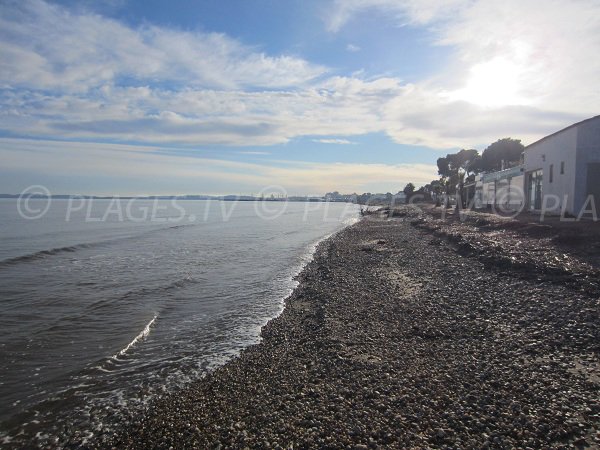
172,197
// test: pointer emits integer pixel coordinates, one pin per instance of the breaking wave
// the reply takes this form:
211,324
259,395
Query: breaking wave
46,253
141,336
42,254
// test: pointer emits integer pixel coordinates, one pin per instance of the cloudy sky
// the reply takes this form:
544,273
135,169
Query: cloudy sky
230,96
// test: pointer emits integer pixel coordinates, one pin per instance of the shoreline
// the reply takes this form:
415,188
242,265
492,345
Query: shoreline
52,427
393,338
295,280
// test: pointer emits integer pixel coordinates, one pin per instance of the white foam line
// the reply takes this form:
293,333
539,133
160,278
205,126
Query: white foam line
145,332
350,221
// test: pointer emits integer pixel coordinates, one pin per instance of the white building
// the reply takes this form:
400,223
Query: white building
502,189
562,170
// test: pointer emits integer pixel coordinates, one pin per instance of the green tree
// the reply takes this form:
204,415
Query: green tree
409,191
436,187
462,162
443,166
455,166
445,173
508,150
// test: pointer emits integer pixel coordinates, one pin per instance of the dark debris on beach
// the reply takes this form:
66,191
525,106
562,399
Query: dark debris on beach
399,336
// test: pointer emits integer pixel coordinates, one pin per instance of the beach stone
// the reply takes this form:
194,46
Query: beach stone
461,350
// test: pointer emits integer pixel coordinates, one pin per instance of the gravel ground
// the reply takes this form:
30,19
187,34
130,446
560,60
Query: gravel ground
396,338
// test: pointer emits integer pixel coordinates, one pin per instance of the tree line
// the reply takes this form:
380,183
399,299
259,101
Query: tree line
460,168
455,170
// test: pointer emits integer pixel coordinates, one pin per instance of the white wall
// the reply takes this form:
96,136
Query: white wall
553,150
588,151
516,192
507,193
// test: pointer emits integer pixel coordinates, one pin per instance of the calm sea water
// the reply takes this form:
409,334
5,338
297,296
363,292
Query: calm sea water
104,304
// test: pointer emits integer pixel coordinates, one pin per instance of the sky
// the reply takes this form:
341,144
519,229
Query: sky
128,97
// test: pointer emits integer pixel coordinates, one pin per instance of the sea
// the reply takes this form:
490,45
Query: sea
107,303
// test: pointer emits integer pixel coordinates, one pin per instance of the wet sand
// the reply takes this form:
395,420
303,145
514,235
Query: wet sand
403,335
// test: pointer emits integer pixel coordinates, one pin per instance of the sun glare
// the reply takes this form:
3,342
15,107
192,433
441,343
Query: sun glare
493,83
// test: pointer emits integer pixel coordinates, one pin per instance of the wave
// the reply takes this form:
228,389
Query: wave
135,293
42,254
141,292
46,253
141,335
292,276
350,221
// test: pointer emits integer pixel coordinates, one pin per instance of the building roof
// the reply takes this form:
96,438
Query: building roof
502,174
560,131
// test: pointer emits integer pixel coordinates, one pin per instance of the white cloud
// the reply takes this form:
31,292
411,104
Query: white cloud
348,106
44,46
340,107
353,48
539,52
508,52
335,141
404,11
128,162
523,69
254,153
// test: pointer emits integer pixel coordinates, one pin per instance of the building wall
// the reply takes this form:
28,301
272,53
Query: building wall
489,194
503,189
514,195
507,193
555,150
588,151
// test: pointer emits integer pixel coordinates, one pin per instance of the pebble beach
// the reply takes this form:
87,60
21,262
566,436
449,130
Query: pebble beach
398,337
